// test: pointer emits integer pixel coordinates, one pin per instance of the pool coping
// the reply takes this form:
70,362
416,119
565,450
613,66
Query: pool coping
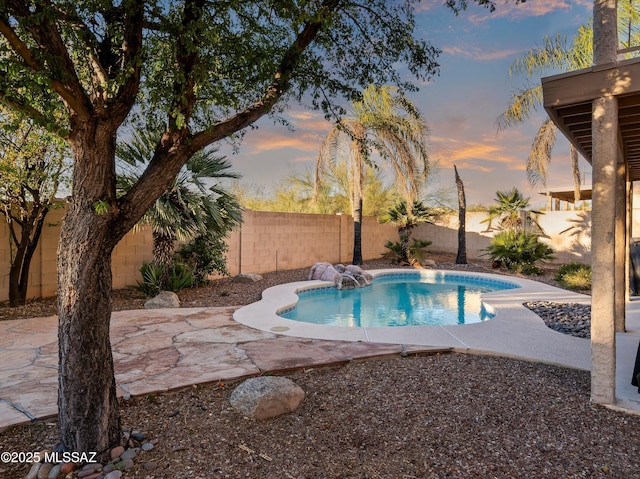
514,330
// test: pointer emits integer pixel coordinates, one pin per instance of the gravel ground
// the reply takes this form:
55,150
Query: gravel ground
438,416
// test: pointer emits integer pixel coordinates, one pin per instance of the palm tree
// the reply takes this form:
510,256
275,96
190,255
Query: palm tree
556,56
508,212
387,122
406,220
191,207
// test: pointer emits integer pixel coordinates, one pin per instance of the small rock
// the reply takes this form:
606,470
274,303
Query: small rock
129,454
429,262
165,299
89,469
150,466
54,472
139,436
117,452
33,472
247,278
108,467
265,397
43,472
93,475
114,475
67,467
147,446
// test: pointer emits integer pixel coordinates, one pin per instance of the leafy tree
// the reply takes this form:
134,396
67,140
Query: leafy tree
295,194
191,207
32,167
203,71
406,220
556,56
389,123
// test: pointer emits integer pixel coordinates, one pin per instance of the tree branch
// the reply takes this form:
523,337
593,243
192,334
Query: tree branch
48,38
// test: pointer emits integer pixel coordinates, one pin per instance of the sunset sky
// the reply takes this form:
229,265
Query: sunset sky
461,105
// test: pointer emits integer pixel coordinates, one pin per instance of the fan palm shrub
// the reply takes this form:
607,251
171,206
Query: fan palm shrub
519,250
195,204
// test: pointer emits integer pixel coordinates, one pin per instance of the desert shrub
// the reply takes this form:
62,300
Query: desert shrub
205,254
574,276
519,250
416,249
179,276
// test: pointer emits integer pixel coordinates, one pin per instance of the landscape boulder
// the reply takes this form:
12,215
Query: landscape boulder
165,299
247,278
265,397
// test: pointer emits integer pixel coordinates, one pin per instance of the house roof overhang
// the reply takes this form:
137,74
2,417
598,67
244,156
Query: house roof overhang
568,99
568,194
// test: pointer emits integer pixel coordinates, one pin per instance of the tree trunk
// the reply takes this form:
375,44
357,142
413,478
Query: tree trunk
461,258
163,249
404,233
21,262
357,234
87,402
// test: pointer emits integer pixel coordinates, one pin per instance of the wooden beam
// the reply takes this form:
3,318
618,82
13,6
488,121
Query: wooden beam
567,89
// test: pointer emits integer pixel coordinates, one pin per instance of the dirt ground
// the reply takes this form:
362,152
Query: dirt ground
437,416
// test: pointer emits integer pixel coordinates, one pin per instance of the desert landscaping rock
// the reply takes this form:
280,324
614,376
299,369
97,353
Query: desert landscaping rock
265,397
247,278
55,471
116,452
566,318
165,299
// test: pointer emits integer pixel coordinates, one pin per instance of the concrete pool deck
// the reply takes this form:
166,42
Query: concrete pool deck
162,350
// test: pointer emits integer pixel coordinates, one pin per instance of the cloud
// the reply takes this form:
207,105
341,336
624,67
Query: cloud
485,155
532,8
308,120
480,54
274,140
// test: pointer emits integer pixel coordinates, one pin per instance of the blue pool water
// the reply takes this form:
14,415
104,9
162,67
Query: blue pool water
399,300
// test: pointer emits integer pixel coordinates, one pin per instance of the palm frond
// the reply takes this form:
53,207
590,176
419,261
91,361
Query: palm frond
521,106
540,153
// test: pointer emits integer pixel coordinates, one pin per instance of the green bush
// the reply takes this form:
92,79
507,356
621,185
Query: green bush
574,276
204,255
416,249
519,250
179,276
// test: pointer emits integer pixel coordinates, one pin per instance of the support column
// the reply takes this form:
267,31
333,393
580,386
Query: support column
604,162
604,125
621,284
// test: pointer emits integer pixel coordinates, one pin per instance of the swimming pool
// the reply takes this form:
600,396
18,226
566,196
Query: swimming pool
401,299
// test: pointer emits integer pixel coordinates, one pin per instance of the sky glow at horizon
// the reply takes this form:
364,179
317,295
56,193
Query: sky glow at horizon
461,105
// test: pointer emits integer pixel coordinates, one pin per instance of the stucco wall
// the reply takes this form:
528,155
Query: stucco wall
568,233
278,241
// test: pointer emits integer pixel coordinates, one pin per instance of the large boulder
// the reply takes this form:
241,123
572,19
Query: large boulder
265,397
247,278
165,299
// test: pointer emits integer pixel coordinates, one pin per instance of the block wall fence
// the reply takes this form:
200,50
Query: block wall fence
280,241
